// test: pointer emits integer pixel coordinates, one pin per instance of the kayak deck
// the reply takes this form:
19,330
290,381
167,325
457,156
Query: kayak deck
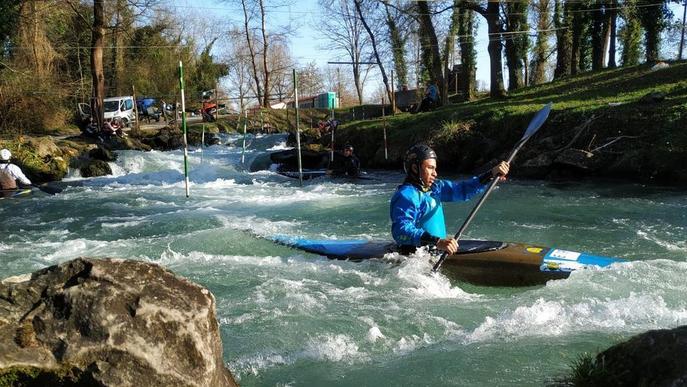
486,263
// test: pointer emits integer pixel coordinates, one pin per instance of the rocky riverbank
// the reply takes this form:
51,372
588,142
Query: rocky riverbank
92,322
49,158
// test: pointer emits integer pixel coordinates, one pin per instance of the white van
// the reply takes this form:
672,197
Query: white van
122,107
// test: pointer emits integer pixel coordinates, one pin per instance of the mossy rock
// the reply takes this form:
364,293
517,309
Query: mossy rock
33,376
39,158
96,168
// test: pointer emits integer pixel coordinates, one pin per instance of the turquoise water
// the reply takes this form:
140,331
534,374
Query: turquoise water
291,318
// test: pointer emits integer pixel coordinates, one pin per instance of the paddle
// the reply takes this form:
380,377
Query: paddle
534,125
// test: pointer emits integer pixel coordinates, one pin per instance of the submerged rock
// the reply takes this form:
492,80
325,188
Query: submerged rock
109,323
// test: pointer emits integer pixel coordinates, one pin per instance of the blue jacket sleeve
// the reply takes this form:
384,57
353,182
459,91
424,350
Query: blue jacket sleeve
405,210
455,191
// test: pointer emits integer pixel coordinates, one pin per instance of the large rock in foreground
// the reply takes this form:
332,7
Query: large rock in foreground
109,323
653,358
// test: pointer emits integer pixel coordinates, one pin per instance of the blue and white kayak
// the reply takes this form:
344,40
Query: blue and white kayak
486,263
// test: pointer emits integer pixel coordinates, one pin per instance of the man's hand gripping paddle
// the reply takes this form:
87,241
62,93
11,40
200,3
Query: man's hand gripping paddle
534,125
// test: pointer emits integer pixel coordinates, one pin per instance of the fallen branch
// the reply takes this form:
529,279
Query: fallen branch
615,139
581,129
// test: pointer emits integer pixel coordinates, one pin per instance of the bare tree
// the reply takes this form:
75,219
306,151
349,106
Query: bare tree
345,32
375,51
237,57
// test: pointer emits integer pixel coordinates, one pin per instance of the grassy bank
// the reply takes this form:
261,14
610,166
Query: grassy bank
628,122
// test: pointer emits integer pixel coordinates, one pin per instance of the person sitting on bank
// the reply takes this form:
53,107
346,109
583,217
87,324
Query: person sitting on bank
417,215
10,173
431,99
348,165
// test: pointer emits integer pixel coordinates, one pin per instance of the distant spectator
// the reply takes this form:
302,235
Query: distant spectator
431,99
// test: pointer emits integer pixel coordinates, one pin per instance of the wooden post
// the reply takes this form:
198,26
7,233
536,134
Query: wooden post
216,102
386,151
393,94
136,126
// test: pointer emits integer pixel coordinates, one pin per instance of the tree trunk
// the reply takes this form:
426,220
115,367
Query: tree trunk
562,23
631,36
374,48
431,48
598,36
516,42
97,62
467,54
682,35
541,47
495,48
265,47
251,49
449,46
398,49
613,32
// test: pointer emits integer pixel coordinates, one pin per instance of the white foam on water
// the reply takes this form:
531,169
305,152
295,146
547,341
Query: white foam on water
374,334
649,235
334,348
131,223
411,343
258,226
547,318
416,274
281,146
337,348
170,257
252,365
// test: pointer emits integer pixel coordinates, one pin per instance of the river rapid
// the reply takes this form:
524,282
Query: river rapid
289,318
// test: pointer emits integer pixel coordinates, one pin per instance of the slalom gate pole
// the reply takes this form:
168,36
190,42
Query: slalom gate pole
245,123
183,125
298,128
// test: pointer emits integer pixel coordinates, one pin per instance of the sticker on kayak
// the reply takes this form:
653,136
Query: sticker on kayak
534,250
553,265
562,254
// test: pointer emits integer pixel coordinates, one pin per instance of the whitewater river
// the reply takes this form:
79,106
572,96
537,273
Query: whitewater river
297,319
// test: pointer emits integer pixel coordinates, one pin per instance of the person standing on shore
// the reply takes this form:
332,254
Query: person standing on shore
10,173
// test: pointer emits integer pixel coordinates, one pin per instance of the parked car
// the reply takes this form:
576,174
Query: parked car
121,107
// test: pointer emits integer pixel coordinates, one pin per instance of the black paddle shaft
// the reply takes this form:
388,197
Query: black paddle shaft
536,123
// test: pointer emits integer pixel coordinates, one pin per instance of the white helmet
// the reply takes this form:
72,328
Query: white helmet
5,155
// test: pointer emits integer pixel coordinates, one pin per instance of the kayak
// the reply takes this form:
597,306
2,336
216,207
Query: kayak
484,263
315,173
15,193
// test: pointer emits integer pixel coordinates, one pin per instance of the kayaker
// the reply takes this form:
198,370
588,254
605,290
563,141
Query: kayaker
417,215
10,173
348,165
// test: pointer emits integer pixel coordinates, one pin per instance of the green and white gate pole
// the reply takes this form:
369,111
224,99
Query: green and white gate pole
298,128
245,123
183,124
331,127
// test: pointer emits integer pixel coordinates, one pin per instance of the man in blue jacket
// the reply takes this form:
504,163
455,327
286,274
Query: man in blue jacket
417,215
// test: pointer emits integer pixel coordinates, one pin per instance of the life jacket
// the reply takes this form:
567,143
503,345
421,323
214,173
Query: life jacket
433,220
7,181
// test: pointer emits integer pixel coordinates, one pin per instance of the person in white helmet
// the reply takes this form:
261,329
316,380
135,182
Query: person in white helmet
10,173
